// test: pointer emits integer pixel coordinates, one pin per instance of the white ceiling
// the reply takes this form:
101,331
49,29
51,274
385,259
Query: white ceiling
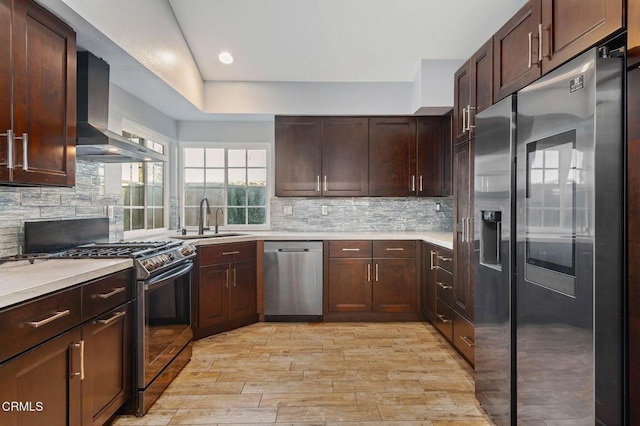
165,51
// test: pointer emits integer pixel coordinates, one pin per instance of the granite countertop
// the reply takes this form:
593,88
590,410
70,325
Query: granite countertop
21,281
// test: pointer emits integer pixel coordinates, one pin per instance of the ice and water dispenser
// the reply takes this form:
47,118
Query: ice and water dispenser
490,237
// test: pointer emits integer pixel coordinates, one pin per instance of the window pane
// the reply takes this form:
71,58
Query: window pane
126,192
257,216
236,197
191,216
158,218
194,175
257,196
257,177
127,219
236,216
193,194
237,158
237,177
215,177
257,158
215,157
193,157
157,199
137,195
137,219
215,197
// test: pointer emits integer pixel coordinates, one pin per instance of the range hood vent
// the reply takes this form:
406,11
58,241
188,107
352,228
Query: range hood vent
94,141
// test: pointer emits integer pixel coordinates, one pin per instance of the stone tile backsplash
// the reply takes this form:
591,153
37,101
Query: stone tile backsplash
86,199
362,214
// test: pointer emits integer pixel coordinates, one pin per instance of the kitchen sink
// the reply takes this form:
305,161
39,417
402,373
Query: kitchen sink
211,235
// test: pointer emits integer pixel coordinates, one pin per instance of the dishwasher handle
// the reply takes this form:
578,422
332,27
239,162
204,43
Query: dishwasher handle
293,250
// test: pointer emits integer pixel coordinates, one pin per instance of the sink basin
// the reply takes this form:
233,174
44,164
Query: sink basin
200,236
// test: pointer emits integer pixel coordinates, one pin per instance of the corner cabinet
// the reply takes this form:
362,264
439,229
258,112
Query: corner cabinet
225,288
392,156
38,96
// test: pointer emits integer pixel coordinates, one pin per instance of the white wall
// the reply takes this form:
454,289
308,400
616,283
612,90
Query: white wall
433,86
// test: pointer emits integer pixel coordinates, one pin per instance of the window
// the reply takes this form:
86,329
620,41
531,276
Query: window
234,179
143,190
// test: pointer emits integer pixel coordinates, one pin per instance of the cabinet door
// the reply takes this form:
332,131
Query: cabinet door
345,156
395,285
461,101
242,291
44,97
463,241
429,292
48,378
392,156
481,64
516,59
447,150
430,157
213,300
350,285
571,26
107,382
298,147
5,84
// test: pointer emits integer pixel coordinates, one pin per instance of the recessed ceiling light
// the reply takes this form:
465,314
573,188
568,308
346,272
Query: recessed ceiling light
225,57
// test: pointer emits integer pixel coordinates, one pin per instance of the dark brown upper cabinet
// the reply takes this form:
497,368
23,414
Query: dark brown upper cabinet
434,156
38,92
322,156
392,156
473,91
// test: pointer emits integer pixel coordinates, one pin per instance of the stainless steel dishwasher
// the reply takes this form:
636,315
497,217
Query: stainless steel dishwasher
293,280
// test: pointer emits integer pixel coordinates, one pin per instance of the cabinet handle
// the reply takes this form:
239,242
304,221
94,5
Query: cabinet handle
469,229
325,183
444,259
469,126
226,278
443,318
80,345
235,276
530,50
377,273
432,267
464,232
420,183
540,29
350,249
228,253
57,315
413,183
111,293
443,285
10,142
318,183
368,272
464,119
468,341
114,317
25,150
394,249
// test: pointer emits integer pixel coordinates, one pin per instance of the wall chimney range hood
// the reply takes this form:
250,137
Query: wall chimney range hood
94,141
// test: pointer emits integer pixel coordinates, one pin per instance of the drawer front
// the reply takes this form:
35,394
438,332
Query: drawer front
350,249
394,248
464,336
221,253
105,293
33,322
444,286
444,319
444,259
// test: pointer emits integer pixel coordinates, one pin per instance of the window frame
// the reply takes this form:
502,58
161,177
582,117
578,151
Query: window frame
228,145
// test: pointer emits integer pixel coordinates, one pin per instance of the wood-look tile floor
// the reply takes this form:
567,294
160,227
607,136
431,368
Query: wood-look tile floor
321,374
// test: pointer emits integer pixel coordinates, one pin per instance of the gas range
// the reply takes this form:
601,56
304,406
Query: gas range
150,258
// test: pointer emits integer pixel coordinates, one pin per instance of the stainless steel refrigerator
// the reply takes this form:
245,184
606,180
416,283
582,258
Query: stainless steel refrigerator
548,229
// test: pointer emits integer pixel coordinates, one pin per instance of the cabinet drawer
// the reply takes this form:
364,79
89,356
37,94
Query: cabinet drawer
105,293
350,249
33,322
221,253
444,259
444,319
444,286
394,248
464,336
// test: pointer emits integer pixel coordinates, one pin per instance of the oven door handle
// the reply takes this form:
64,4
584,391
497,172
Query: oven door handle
166,277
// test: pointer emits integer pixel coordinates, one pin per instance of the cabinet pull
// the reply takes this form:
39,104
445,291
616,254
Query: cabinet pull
80,345
57,315
469,230
229,253
377,273
235,276
469,126
413,183
541,29
318,183
420,183
350,249
368,272
432,267
529,63
10,142
325,183
25,150
443,285
111,293
464,119
468,341
394,249
444,259
464,232
226,278
114,317
443,318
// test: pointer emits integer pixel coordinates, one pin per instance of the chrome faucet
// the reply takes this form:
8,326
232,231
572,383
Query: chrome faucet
215,227
204,218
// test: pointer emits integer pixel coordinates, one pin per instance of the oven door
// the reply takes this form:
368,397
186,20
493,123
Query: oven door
164,321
